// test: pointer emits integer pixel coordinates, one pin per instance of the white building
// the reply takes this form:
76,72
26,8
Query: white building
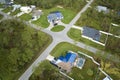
102,9
26,9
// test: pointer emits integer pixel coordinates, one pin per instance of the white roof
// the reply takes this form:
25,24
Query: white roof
26,9
107,78
101,8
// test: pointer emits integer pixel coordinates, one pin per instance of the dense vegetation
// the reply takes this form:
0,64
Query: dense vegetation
19,44
113,44
74,4
47,71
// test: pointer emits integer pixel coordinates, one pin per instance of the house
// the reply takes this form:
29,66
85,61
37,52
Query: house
54,17
36,14
102,9
26,9
66,62
91,33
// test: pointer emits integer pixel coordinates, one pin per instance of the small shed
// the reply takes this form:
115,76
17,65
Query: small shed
102,9
36,14
91,33
54,16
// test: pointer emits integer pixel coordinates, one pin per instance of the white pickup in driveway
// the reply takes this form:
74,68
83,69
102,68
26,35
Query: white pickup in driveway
50,58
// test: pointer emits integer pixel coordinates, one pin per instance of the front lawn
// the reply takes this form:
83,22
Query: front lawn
67,13
26,17
76,35
57,28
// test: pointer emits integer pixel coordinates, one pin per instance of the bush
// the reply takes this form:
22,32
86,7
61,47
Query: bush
89,72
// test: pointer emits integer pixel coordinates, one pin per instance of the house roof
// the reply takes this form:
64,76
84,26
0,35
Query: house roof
102,8
66,66
54,16
91,33
70,57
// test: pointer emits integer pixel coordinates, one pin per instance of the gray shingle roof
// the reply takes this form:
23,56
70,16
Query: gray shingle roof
92,33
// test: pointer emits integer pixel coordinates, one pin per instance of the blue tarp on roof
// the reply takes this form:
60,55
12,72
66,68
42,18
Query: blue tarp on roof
54,16
70,57
92,33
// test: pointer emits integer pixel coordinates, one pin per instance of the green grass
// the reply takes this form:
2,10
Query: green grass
103,38
1,16
94,19
67,13
115,30
62,48
57,28
76,35
1,5
15,12
81,74
26,17
8,9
